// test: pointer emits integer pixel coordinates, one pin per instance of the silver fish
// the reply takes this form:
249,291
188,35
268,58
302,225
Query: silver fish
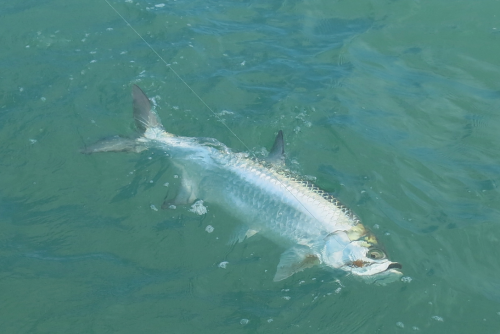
313,226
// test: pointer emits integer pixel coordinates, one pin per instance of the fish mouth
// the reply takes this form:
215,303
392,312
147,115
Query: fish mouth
382,277
394,265
391,274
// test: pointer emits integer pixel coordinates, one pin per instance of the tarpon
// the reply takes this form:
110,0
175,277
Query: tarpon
312,225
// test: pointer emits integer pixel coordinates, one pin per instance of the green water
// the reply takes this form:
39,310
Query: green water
391,105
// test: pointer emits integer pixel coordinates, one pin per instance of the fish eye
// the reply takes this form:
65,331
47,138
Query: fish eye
375,254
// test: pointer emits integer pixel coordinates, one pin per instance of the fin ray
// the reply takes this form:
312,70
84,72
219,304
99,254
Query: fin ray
293,260
277,154
241,234
143,115
115,144
186,194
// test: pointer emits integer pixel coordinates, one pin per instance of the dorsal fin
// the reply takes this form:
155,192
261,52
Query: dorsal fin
143,115
277,154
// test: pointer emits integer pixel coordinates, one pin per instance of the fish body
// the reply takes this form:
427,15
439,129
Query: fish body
312,225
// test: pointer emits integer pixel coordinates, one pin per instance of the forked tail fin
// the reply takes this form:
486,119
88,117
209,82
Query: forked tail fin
144,118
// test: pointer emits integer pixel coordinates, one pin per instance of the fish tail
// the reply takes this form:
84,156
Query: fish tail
145,118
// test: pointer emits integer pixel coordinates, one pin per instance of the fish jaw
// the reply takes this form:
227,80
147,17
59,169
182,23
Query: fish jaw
382,278
377,272
356,257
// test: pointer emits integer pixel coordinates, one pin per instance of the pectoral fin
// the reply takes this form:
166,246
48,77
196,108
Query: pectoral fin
293,260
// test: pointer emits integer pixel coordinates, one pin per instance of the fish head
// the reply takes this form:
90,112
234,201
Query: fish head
362,257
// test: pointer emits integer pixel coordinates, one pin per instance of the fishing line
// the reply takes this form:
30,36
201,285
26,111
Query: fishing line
178,76
199,98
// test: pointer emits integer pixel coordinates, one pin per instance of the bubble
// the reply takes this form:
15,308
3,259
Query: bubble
225,112
153,207
166,184
244,321
270,320
287,297
209,228
406,279
223,264
415,328
400,324
198,208
437,318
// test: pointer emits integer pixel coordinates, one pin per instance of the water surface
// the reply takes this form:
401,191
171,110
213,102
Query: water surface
391,106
